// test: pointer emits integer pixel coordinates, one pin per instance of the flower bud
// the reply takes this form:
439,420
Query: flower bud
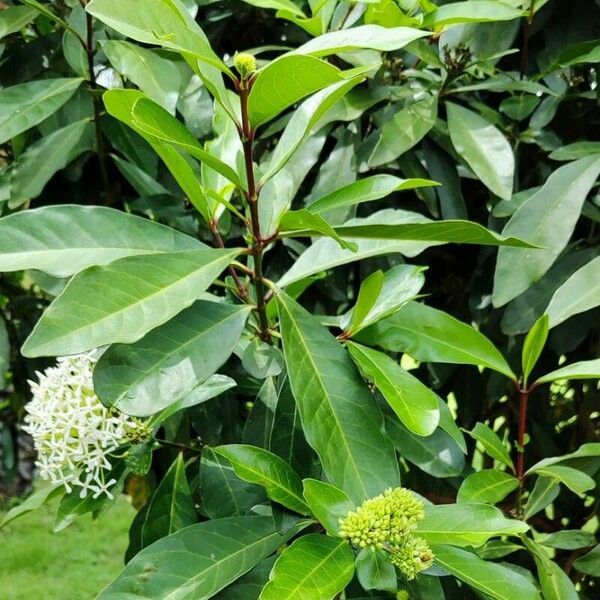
245,64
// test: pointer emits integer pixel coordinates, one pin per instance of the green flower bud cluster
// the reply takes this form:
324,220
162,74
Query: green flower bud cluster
386,522
244,63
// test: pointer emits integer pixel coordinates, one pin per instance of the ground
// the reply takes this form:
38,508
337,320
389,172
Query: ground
74,564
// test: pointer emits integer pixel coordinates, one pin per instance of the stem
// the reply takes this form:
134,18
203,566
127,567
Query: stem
178,446
523,400
258,245
526,32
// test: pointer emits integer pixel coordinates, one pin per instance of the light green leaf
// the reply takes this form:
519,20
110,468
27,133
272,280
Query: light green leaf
590,450
432,335
414,403
575,150
63,240
466,524
544,492
171,506
340,417
264,468
494,580
492,444
587,369
547,219
369,292
483,147
585,52
577,481
375,571
167,365
27,104
327,503
142,292
488,485
36,166
315,566
286,80
579,293
199,560
162,22
295,221
374,37
481,11
533,346
366,190
287,5
569,539
405,129
157,77
14,18
589,563
33,502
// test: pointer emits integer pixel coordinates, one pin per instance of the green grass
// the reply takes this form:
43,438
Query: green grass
74,564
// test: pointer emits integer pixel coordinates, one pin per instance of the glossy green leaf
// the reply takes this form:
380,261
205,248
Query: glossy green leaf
414,403
577,481
27,104
589,563
569,539
375,571
492,444
340,417
403,131
327,503
251,584
314,566
264,468
488,485
36,166
471,12
575,150
579,293
584,52
369,291
162,23
373,37
589,450
368,189
287,80
494,580
14,18
171,506
466,524
533,345
587,369
63,240
197,561
167,365
544,492
287,5
432,335
547,219
141,291
483,147
295,221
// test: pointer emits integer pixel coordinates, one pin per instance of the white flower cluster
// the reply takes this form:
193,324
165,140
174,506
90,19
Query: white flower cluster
73,432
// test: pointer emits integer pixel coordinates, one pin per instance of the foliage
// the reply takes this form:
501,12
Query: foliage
207,193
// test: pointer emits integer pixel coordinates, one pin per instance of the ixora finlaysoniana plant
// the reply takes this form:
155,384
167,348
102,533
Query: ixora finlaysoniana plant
309,505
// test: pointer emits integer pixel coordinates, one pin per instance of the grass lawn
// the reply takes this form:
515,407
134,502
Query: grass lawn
74,564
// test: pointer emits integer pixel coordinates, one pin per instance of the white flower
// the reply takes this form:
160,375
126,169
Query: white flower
73,432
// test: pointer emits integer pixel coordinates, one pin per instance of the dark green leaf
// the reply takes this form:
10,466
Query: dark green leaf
533,345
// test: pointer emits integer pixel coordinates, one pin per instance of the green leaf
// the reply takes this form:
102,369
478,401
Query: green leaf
403,131
432,335
569,539
589,563
414,403
33,502
481,11
368,189
579,293
590,450
544,492
157,77
162,22
575,150
533,346
577,481
466,524
314,566
483,147
142,291
547,219
5,349
374,571
167,365
584,52
587,369
14,18
285,81
287,5
25,105
494,580
198,561
373,37
492,444
36,166
327,503
63,240
251,584
171,506
264,468
401,284
369,291
488,485
340,416
295,221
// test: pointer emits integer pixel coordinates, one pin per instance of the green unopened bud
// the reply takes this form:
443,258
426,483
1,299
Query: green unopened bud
412,556
245,64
